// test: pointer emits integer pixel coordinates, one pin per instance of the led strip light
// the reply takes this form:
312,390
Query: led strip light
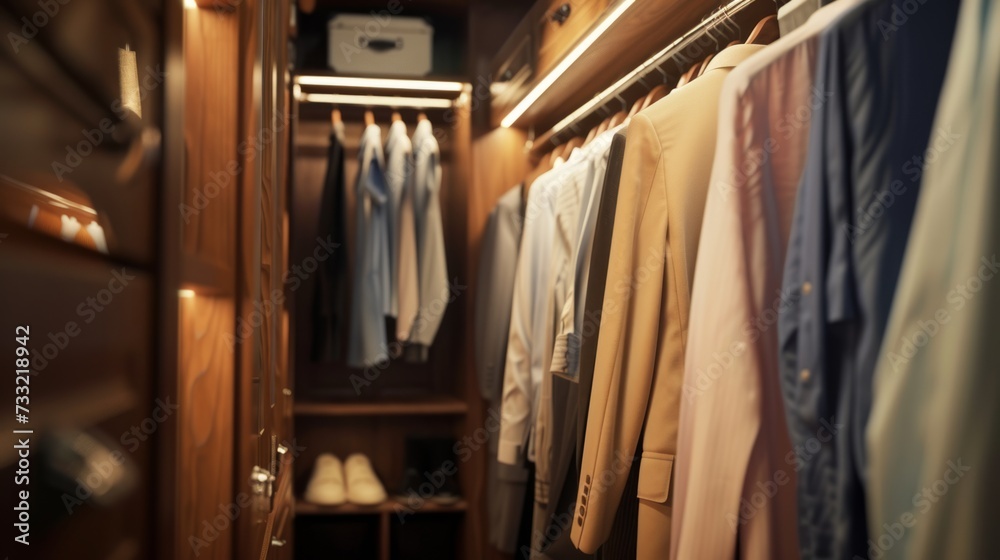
564,64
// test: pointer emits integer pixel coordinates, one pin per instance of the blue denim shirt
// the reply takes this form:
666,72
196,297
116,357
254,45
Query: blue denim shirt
371,286
881,67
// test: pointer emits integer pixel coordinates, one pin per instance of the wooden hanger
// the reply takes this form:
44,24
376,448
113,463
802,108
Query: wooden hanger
598,128
617,119
657,93
704,65
765,32
636,107
369,117
572,144
335,117
396,116
543,165
731,43
687,76
421,116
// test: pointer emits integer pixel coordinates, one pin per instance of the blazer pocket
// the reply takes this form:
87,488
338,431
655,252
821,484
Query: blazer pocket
654,476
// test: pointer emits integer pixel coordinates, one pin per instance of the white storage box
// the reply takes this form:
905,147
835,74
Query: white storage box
377,44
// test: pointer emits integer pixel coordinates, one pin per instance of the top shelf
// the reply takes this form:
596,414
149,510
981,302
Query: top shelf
443,406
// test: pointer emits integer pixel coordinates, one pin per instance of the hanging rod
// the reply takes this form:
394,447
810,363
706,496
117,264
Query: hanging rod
377,101
667,54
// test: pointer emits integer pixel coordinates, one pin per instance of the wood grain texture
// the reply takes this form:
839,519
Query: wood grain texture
205,416
211,172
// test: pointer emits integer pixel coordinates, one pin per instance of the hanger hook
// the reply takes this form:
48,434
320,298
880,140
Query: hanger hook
622,99
662,73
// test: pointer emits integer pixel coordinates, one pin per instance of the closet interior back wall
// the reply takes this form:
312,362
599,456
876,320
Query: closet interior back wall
441,375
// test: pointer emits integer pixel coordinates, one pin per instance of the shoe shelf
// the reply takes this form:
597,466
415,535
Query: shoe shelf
393,505
437,405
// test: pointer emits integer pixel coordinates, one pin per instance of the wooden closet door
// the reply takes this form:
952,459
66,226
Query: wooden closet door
79,305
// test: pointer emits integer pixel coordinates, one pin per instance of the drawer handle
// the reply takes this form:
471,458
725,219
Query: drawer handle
380,45
561,14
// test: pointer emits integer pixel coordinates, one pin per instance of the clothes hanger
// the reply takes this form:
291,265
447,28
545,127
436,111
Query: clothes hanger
765,32
421,116
617,119
396,116
704,65
571,145
658,92
369,117
335,118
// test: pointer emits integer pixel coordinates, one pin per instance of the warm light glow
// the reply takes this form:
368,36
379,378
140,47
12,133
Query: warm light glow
190,4
602,97
564,64
377,100
377,83
186,293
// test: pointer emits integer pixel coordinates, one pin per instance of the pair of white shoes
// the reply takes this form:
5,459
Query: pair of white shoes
354,481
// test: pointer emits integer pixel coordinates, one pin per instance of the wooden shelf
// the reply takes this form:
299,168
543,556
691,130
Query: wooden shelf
394,407
393,505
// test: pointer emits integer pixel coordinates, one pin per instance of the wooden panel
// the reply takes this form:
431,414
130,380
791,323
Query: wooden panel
554,38
206,381
207,334
211,164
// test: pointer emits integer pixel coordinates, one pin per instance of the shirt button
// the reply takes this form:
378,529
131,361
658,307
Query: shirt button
804,375
807,287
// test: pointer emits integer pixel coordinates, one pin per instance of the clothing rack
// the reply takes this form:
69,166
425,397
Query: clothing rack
722,25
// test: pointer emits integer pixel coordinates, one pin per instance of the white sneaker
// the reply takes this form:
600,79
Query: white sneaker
363,486
326,487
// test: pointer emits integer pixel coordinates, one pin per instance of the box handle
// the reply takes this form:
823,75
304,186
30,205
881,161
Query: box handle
380,45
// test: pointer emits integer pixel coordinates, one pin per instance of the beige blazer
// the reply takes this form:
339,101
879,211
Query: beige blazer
640,349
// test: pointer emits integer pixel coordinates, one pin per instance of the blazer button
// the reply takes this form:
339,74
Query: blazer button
805,374
807,288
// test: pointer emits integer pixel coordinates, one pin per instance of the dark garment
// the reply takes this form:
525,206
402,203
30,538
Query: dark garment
881,68
598,276
331,284
622,542
570,400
